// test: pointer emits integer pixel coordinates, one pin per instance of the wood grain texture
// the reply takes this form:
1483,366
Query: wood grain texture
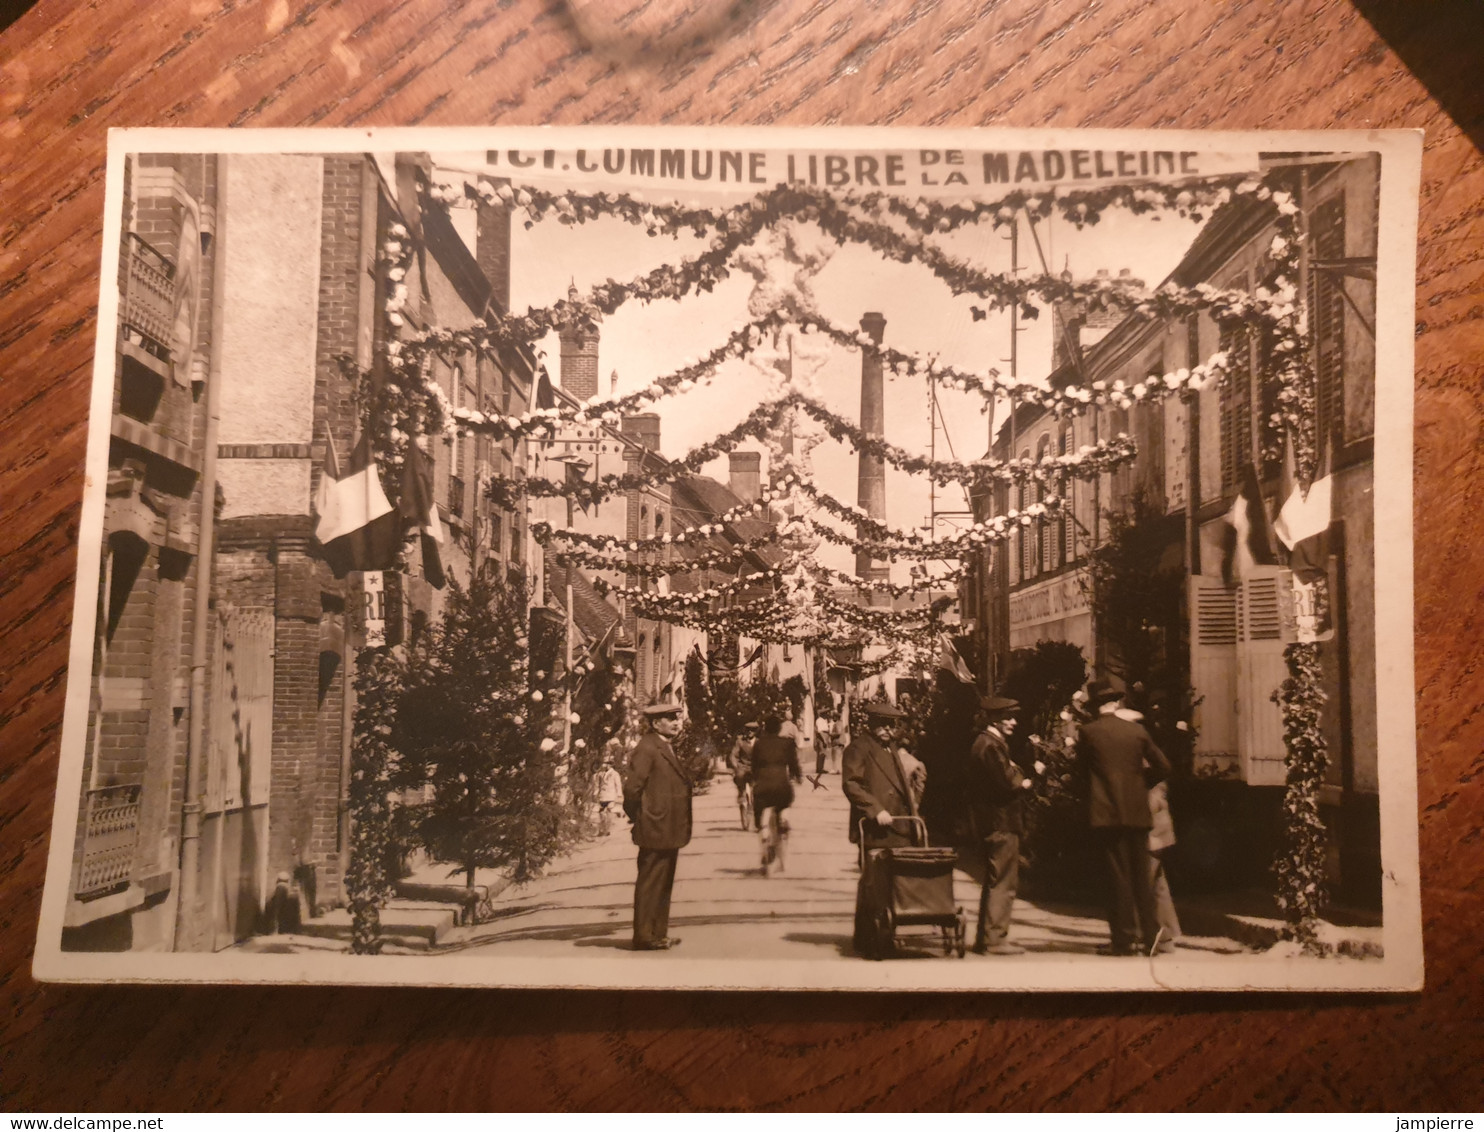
70,69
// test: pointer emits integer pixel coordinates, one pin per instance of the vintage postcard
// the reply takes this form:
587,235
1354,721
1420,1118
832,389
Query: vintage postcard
746,558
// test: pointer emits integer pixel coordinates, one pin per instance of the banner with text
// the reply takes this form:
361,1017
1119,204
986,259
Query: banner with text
948,173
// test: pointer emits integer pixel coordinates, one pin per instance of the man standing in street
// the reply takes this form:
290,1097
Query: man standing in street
657,798
879,789
874,780
1122,764
995,787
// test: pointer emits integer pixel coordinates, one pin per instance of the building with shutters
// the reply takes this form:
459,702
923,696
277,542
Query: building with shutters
1225,648
215,770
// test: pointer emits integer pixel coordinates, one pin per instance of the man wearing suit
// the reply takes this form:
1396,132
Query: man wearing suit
657,798
879,789
874,781
995,786
1122,764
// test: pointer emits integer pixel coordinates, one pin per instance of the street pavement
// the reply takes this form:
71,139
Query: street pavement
724,907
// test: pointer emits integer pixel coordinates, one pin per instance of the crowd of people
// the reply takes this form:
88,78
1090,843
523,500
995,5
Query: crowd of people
1128,814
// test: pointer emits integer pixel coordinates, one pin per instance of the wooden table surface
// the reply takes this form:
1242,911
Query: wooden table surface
72,69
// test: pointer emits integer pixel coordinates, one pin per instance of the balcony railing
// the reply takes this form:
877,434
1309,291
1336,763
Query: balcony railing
110,835
148,315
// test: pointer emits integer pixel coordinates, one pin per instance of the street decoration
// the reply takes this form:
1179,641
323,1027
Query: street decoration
901,230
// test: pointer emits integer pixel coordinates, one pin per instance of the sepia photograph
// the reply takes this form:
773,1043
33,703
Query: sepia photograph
746,558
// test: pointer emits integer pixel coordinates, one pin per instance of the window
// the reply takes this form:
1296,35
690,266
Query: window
1046,531
1327,304
1068,528
1236,401
1025,491
659,522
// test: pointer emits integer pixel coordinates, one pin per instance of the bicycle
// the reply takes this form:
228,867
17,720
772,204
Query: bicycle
773,835
744,805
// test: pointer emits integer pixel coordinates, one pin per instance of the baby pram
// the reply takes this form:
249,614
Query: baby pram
904,886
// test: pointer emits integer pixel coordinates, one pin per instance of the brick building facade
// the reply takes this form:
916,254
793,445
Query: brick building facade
218,745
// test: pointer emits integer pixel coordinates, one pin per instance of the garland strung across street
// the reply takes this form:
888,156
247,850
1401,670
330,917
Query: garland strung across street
1270,308
409,404
766,420
1079,206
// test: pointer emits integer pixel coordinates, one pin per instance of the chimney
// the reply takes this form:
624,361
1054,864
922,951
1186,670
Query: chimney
745,475
579,359
871,493
643,428
492,247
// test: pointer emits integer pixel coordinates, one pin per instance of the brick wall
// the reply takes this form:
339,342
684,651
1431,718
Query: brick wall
579,367
139,730
492,250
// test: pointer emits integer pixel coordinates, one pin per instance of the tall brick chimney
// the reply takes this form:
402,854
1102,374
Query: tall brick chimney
580,360
745,475
871,496
643,428
492,247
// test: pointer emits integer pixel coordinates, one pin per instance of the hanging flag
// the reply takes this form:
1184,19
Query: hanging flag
418,511
1249,539
574,479
1303,527
356,526
949,659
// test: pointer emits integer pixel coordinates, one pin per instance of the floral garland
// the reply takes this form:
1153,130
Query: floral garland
921,583
712,560
544,533
764,421
772,619
739,224
1270,307
678,599
1194,199
505,491
1080,206
1089,461
1300,867
883,540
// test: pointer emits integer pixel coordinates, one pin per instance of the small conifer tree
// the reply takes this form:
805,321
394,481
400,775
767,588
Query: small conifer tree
472,733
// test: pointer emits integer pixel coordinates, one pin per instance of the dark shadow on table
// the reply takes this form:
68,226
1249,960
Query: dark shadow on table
1442,43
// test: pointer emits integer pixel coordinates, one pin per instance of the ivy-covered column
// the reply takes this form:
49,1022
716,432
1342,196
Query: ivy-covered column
368,880
1302,891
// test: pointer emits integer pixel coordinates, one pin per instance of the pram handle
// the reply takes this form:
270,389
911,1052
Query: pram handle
918,826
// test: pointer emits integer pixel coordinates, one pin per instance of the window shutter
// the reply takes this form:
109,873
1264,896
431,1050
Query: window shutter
1236,409
1327,317
1213,667
1025,535
1068,498
1261,670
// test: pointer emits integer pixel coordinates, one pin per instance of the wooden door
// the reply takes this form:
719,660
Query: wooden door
239,765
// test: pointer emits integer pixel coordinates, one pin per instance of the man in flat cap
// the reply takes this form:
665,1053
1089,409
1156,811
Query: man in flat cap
657,798
995,787
1122,764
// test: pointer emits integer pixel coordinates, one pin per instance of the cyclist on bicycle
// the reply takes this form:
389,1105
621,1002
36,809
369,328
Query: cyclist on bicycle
775,768
739,759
